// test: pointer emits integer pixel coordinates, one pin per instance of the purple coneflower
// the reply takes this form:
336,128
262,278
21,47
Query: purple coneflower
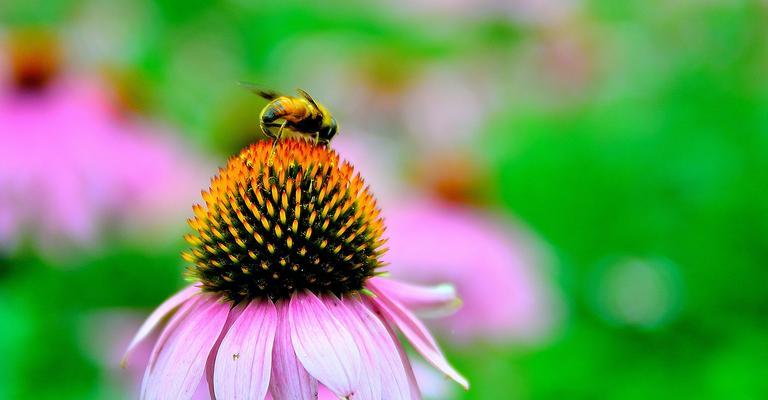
288,300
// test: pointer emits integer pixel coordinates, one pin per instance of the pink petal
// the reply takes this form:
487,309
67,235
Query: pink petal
169,329
412,383
416,333
391,366
369,383
210,362
419,298
290,381
432,383
324,394
160,313
178,369
244,359
323,345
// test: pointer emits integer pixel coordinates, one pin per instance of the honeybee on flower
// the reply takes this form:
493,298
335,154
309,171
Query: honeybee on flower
301,114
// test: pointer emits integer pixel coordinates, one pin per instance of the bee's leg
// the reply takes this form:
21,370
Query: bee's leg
274,143
317,138
266,128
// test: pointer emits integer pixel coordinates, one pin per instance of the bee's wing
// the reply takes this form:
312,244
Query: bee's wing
309,98
267,94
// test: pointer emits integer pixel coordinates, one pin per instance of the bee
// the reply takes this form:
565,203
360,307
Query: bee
300,114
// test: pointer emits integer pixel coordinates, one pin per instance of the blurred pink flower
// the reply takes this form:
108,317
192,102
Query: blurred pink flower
69,164
446,107
493,266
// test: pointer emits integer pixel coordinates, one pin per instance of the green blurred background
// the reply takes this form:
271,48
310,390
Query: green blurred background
615,130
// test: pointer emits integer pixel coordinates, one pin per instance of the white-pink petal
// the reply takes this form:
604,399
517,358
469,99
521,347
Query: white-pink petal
413,385
416,332
169,328
369,383
391,367
234,314
164,310
244,358
427,299
180,361
289,381
324,346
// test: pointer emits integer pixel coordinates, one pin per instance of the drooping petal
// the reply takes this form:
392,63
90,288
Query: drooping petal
210,362
429,299
289,381
369,383
432,383
244,358
167,308
323,345
416,333
166,333
413,385
178,369
391,367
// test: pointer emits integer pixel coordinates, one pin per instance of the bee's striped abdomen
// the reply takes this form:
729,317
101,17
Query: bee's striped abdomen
275,110
299,115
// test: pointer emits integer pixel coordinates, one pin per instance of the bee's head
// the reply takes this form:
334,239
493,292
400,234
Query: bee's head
329,130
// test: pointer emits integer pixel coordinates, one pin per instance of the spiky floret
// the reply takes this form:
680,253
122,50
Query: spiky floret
306,221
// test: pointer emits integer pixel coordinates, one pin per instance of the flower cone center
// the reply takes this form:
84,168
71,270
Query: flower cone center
304,221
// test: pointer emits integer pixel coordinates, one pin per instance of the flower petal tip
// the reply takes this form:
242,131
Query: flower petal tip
460,379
